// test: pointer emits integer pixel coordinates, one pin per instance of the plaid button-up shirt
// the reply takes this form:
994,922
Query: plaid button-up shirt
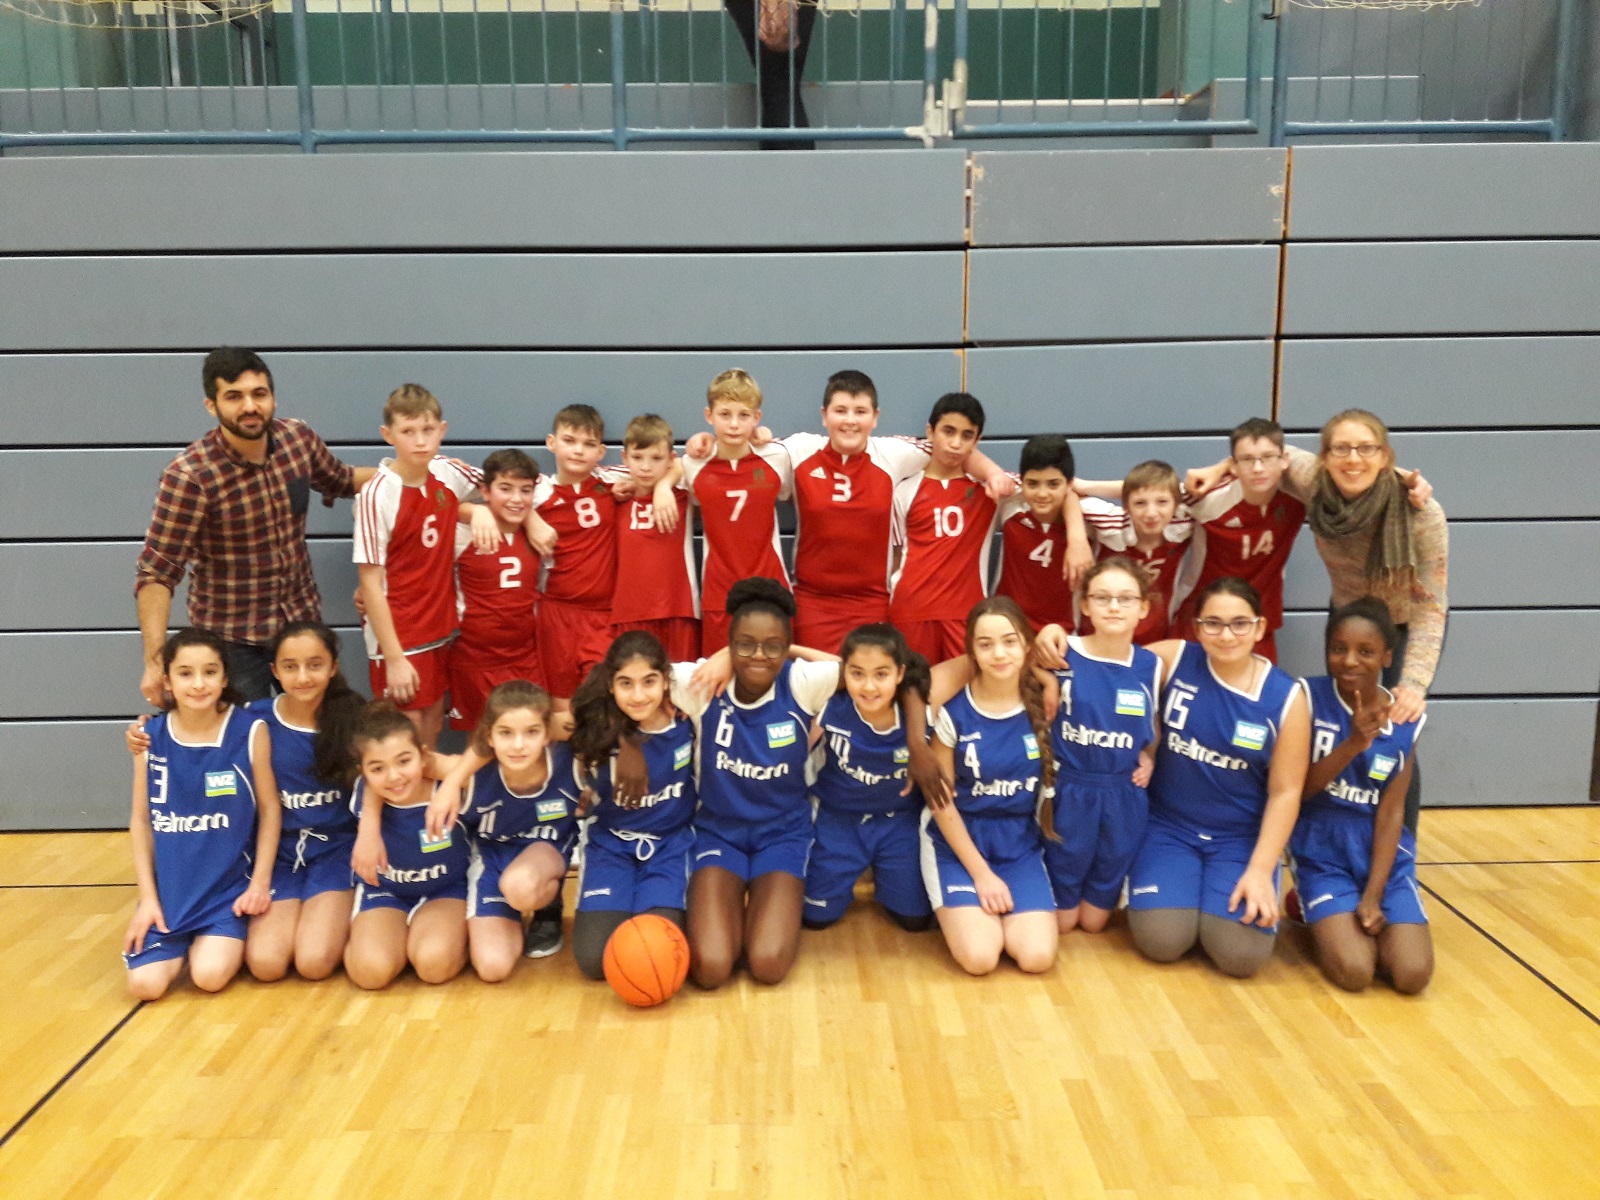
242,527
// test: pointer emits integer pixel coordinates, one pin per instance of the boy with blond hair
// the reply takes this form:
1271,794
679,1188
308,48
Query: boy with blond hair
1152,529
405,518
737,491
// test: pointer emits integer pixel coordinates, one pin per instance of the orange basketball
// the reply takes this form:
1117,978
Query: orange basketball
646,960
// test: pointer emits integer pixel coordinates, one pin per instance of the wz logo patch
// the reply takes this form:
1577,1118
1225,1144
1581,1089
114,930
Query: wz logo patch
1031,744
430,845
1248,735
682,755
222,783
902,755
780,735
1130,702
1383,766
550,810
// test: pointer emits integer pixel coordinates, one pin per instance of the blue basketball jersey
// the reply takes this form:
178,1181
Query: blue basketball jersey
753,759
1359,787
997,759
495,813
308,802
418,865
862,770
1216,747
669,755
1107,713
203,816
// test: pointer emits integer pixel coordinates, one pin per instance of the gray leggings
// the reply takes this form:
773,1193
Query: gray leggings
1167,934
592,930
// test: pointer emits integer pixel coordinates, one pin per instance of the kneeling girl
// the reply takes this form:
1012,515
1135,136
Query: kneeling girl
983,856
1355,862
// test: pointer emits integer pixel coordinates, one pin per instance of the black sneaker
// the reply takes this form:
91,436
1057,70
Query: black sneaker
543,937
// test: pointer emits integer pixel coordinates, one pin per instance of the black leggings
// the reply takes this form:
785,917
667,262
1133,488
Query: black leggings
592,930
777,89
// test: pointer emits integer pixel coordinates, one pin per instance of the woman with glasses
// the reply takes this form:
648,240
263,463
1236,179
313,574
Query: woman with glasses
1230,765
752,831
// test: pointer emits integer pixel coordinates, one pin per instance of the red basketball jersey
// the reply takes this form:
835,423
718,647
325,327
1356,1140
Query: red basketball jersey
844,509
1251,541
583,569
1112,529
738,502
1031,558
943,527
655,569
499,595
411,533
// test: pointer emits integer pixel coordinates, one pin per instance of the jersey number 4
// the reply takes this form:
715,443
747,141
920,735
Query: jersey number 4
1043,553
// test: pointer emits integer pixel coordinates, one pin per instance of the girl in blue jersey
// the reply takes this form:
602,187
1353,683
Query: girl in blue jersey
203,798
521,810
1230,766
753,826
309,726
867,813
312,887
1355,862
983,855
411,898
636,848
1103,739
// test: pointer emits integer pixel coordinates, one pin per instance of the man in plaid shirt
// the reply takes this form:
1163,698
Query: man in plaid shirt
233,507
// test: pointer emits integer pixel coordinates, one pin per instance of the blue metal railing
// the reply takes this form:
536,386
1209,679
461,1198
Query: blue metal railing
316,73
1463,67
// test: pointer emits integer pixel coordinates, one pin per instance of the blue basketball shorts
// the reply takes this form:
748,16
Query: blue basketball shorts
847,844
214,919
1331,855
1100,821
754,851
489,862
633,873
310,863
949,885
1180,868
408,900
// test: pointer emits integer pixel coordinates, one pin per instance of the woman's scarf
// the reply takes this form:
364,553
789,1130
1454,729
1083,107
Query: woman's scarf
1384,511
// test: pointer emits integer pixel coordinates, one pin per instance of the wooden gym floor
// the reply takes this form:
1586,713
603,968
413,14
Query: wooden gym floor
876,1070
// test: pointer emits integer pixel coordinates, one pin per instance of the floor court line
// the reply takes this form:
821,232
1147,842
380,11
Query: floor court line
56,1087
1510,953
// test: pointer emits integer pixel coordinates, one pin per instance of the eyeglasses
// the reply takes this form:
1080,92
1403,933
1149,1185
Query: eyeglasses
1239,626
1257,460
1367,450
1105,600
745,648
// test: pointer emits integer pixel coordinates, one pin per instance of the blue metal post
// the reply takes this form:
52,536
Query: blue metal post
302,77
958,71
1280,72
1561,88
619,78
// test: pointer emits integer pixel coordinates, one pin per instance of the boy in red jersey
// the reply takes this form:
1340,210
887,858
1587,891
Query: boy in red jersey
1041,531
575,609
655,590
1244,528
499,593
737,493
943,520
1150,530
405,520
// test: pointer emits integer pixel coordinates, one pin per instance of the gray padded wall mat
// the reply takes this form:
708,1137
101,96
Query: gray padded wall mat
1125,297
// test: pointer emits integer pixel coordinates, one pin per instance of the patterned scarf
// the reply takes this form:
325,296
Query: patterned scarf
1383,510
